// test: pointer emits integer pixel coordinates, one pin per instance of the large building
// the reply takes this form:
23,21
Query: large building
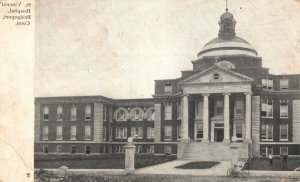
227,106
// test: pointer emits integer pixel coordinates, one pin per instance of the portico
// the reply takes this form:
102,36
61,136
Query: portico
222,105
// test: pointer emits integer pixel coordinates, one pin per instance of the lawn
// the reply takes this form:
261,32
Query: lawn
111,161
263,164
163,178
198,165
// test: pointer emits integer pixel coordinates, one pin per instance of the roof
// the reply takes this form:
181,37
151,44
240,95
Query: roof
222,47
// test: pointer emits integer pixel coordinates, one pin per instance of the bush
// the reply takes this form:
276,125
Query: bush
48,176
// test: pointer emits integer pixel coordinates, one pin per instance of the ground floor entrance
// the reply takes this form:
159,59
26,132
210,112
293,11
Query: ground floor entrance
219,134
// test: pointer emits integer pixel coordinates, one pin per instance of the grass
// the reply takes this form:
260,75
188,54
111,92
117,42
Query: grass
112,161
198,165
263,164
163,178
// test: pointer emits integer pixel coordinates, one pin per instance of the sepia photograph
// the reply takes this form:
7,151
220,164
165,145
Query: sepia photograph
167,90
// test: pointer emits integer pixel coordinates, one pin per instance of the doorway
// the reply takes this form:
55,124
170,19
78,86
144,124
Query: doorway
219,134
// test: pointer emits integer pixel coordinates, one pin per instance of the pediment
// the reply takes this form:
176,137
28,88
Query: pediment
215,75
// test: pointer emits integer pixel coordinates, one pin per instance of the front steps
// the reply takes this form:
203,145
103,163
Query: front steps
213,151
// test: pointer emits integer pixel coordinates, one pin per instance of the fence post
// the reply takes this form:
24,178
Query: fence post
129,157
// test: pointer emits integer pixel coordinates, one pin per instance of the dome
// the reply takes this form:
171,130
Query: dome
227,43
226,15
234,46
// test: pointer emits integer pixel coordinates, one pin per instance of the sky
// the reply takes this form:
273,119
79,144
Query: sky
118,48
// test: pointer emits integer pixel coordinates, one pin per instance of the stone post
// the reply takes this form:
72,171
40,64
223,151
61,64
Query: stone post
129,157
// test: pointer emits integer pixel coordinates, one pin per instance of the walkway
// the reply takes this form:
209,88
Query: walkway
169,168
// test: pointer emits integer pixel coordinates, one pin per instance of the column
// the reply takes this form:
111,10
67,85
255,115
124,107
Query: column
185,118
248,116
205,118
157,122
226,118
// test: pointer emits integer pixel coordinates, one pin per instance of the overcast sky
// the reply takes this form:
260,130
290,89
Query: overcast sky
118,48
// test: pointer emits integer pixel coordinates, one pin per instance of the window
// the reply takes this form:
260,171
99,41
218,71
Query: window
284,132
137,132
73,132
87,132
284,150
267,84
266,150
168,88
168,132
284,84
46,113
266,132
178,132
239,109
104,150
104,133
110,149
150,132
59,113
121,115
267,109
167,149
87,149
219,108
88,112
59,148
139,149
121,133
137,114
45,132
45,149
150,115
199,109
150,149
73,113
118,149
168,111
199,128
216,76
284,109
104,112
73,149
179,110
59,133
239,130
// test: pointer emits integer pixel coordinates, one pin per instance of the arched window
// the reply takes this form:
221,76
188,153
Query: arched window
137,114
121,114
150,114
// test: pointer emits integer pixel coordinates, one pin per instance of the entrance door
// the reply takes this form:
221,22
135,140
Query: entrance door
219,134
